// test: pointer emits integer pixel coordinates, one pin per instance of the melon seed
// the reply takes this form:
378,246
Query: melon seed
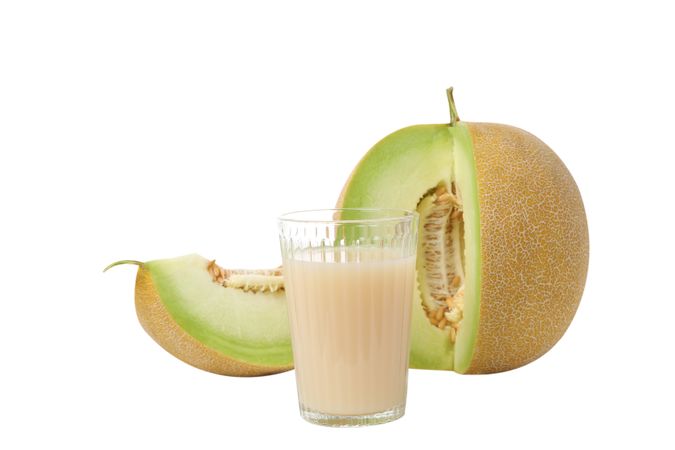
247,280
438,315
453,334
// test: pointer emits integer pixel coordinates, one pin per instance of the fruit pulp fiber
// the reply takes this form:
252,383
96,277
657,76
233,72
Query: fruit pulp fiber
349,312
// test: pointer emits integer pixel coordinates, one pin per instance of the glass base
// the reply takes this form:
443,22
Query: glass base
331,420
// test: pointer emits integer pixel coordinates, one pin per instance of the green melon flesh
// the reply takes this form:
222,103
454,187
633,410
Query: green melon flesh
246,326
396,173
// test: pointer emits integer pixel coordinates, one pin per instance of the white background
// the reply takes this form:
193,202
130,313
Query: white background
143,130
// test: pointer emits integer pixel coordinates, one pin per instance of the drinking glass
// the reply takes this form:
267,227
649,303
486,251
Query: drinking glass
349,276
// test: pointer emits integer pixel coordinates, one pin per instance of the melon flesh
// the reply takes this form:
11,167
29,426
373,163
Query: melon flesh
397,173
245,326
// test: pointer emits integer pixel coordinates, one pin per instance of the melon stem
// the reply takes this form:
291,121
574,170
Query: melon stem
125,261
454,117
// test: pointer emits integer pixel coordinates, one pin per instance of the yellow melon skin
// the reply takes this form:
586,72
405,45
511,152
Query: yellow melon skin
534,247
156,321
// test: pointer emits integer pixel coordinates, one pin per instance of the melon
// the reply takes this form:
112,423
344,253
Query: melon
503,251
229,322
501,262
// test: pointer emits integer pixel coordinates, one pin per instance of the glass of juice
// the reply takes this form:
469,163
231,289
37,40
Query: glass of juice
349,276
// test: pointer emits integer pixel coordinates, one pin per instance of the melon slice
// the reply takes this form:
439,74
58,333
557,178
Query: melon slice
503,249
226,322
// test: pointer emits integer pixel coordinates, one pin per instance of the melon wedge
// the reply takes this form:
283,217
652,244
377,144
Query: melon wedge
225,330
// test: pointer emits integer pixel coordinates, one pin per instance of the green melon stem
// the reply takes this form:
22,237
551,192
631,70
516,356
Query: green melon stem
124,261
454,117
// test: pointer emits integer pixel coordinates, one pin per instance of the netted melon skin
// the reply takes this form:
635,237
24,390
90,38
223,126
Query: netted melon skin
534,247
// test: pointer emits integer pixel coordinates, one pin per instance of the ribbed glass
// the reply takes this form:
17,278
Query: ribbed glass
349,276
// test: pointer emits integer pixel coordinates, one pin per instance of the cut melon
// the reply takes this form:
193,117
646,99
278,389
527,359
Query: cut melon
501,265
518,241
187,309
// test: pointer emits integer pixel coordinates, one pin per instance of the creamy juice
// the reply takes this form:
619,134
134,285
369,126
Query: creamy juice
349,314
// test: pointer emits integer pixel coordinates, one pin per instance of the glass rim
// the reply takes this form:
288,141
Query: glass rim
398,215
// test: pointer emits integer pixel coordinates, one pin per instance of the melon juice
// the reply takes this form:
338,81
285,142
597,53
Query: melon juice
349,311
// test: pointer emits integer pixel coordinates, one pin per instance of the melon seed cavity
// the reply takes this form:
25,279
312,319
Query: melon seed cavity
440,270
255,281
